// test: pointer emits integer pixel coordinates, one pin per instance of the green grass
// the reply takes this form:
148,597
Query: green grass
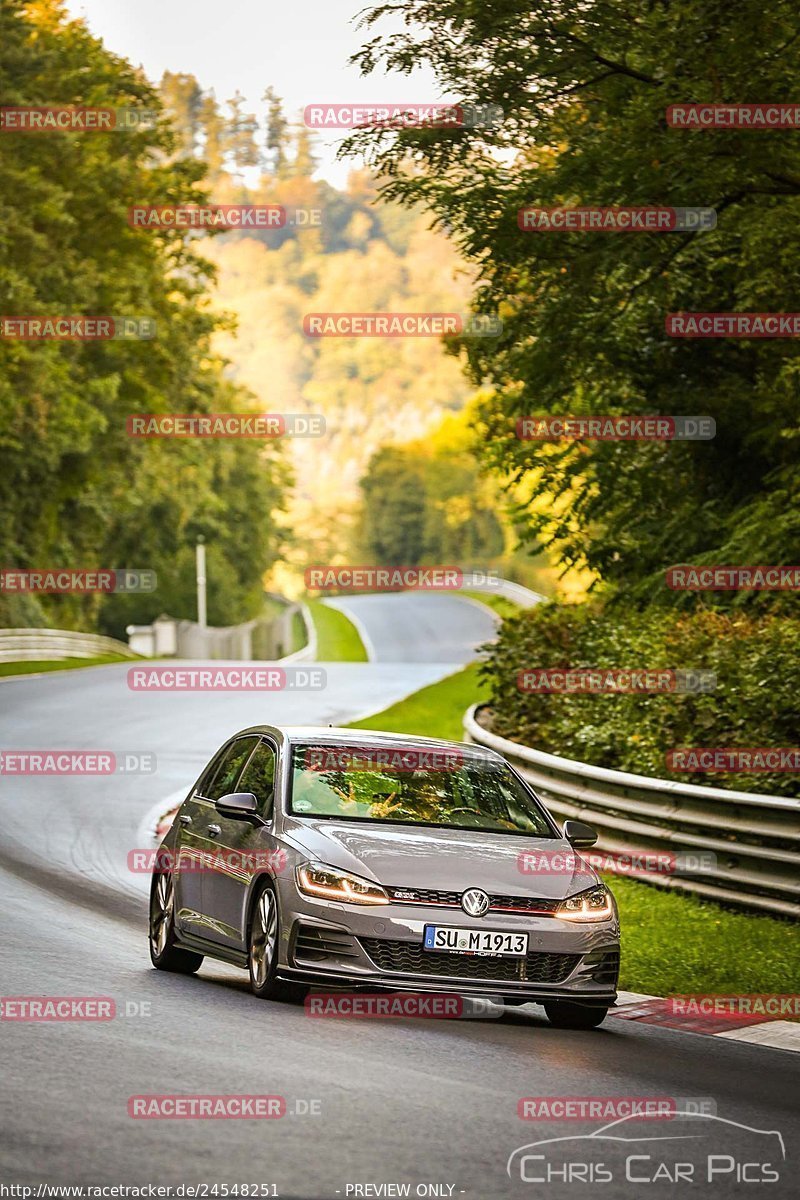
61,664
435,711
298,630
337,637
671,943
503,607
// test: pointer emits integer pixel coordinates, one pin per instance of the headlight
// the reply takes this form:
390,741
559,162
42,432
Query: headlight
594,905
315,879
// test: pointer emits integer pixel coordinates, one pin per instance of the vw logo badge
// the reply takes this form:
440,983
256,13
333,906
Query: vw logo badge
475,902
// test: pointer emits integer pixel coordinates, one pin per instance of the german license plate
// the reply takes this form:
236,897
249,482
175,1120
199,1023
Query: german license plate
445,938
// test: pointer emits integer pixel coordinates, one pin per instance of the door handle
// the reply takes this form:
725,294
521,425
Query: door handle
185,819
213,830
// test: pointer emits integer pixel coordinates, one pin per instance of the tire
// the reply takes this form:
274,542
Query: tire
263,939
164,954
565,1014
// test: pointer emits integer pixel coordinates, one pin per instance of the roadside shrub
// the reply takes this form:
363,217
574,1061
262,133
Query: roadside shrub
755,703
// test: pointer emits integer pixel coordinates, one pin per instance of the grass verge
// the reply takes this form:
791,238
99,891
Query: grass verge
60,664
337,637
502,606
671,943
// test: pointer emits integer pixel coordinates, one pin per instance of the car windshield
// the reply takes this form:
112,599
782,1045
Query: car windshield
413,785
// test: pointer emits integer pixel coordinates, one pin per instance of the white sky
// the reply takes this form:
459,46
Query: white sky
300,47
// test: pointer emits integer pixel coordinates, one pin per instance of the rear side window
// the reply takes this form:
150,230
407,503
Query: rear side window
230,768
259,778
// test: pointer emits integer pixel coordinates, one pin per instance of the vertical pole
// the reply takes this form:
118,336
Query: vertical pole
201,583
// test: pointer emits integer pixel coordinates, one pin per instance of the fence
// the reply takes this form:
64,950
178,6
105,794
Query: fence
259,639
752,839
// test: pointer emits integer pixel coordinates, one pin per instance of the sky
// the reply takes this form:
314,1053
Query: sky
300,47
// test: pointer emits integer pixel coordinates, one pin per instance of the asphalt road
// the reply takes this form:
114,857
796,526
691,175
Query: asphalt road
417,1102
430,627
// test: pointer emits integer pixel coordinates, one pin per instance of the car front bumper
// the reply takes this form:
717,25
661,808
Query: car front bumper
325,942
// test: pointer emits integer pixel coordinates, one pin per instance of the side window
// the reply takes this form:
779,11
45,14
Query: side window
259,778
204,782
230,767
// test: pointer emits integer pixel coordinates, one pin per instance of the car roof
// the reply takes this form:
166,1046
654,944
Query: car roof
299,734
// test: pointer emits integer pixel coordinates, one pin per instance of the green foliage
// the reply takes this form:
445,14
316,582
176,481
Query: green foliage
584,90
75,490
434,711
754,704
426,502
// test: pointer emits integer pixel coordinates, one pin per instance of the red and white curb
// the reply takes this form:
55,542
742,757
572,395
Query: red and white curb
657,1010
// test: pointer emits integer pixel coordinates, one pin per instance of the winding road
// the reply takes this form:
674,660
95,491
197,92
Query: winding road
370,1103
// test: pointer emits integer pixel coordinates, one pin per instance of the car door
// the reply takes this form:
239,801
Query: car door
243,845
188,858
201,835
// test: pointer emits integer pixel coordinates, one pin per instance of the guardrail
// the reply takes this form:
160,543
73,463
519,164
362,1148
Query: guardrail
752,840
40,645
522,596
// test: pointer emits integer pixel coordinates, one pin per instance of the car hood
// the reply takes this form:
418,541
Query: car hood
443,859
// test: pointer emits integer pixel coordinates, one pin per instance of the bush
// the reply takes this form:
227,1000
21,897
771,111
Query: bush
755,702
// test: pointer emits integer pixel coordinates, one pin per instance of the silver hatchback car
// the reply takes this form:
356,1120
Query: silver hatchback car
349,858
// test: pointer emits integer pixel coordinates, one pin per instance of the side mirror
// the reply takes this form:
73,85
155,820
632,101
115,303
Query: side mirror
237,804
579,834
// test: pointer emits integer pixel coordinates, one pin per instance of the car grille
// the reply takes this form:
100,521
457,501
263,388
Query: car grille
498,903
411,959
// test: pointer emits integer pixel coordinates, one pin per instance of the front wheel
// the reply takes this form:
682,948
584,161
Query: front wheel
262,952
565,1014
164,954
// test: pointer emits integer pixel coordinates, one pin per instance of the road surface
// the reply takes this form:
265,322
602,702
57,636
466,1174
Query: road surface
370,1102
432,627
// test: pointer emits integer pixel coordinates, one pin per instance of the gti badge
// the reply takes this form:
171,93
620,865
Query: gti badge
475,902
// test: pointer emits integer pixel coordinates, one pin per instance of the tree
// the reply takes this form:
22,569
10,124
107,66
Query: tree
75,490
242,129
183,99
277,137
394,509
584,91
215,136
